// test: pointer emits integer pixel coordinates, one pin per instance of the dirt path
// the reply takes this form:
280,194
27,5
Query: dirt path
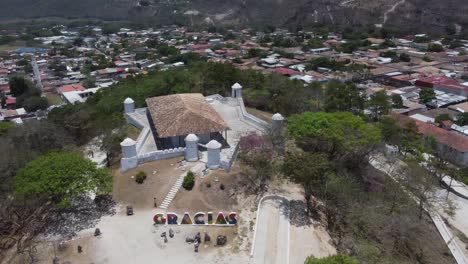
391,10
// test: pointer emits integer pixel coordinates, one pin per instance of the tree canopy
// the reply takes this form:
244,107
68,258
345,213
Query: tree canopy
60,177
19,85
343,97
341,131
426,95
337,259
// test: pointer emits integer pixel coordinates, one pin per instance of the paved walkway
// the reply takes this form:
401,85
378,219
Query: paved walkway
175,188
271,239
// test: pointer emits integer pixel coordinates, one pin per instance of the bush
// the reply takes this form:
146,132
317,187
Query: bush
35,103
337,259
434,47
427,59
222,187
140,177
189,181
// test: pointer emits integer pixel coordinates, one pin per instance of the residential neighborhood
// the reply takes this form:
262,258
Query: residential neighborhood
274,145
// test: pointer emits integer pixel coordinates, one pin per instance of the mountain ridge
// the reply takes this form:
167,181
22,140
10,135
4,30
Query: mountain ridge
429,16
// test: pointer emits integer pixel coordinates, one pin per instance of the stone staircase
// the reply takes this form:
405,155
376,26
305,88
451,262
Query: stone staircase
175,188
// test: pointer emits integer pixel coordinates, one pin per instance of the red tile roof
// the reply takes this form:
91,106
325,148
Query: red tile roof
435,80
71,88
448,138
286,71
10,101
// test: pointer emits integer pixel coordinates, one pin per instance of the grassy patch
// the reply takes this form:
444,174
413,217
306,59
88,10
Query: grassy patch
54,99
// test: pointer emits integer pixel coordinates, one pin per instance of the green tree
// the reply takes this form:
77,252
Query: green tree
337,134
379,104
61,177
442,117
434,47
391,131
421,184
19,85
451,29
405,57
462,119
426,95
89,82
309,170
189,181
342,97
397,101
427,58
35,103
337,259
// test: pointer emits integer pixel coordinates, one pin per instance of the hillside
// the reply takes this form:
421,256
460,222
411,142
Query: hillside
413,15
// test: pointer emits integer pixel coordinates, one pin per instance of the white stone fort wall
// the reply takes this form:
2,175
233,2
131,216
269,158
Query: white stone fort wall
160,154
257,121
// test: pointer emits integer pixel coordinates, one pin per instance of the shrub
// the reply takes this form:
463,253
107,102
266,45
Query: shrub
189,181
222,187
140,177
426,59
434,47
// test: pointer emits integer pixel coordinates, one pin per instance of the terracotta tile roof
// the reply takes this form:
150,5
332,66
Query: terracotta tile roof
448,138
286,71
71,88
183,114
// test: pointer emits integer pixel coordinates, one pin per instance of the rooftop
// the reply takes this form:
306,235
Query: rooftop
451,139
183,114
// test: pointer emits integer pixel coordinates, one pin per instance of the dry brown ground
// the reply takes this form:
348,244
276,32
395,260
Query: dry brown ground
265,116
207,194
127,191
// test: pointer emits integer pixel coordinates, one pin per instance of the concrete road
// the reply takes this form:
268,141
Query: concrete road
271,245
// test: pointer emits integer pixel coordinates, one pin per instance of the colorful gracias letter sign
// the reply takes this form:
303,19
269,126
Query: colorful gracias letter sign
199,218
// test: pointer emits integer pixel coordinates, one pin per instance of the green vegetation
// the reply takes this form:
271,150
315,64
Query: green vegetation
426,95
363,208
102,112
397,101
5,126
337,133
140,177
442,117
189,181
343,97
345,66
61,177
462,119
433,47
27,95
379,104
337,259
427,58
34,103
19,85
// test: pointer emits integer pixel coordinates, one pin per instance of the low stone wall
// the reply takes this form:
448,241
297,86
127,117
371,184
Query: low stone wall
251,118
133,121
226,162
160,154
142,137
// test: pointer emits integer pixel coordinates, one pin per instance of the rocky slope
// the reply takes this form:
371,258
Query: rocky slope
413,15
